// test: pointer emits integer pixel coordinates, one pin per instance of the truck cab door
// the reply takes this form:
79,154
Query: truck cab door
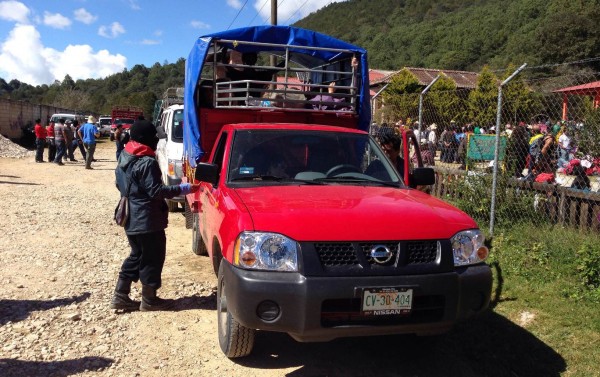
210,176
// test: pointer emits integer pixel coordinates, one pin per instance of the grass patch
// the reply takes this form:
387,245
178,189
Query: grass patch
550,285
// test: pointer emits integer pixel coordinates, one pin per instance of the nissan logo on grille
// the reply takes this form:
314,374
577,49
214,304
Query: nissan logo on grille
381,254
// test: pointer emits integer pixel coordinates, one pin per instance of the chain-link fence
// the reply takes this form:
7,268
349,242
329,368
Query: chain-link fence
542,128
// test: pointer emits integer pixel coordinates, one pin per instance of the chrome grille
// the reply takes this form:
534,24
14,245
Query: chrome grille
336,254
421,252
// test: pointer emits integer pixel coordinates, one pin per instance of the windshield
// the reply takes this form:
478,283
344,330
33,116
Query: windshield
262,157
105,121
177,130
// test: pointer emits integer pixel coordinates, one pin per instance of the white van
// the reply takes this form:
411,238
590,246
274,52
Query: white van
56,117
169,151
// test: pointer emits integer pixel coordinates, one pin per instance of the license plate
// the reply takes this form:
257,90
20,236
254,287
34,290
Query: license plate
387,301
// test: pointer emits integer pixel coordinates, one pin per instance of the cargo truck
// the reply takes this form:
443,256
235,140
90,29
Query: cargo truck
310,228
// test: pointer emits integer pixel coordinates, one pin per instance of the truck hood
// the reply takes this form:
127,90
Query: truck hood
356,213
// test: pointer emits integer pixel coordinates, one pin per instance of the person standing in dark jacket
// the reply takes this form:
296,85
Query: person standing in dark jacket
138,170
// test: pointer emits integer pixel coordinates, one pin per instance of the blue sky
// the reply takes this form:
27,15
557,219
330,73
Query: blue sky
43,40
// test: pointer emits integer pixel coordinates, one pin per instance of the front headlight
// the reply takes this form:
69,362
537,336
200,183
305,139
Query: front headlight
265,251
468,247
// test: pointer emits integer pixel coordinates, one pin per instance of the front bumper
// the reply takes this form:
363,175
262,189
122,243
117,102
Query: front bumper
325,308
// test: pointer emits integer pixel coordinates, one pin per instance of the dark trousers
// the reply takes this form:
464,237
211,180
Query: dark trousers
120,147
70,150
51,150
39,149
146,260
79,144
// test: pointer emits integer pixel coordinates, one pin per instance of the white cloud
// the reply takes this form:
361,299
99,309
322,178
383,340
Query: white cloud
237,4
112,31
133,4
291,11
14,11
199,25
150,42
24,57
56,20
158,33
84,16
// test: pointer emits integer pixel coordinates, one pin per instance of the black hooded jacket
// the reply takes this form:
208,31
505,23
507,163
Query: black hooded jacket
148,211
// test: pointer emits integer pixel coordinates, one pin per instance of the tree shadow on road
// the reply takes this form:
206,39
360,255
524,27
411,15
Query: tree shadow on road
491,345
18,310
15,367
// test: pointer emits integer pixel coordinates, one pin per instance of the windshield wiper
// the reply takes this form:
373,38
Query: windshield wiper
358,180
273,178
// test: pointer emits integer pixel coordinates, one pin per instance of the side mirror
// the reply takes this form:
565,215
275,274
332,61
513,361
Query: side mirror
206,172
422,177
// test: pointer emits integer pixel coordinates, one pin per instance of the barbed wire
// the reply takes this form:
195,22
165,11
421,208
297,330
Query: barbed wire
553,65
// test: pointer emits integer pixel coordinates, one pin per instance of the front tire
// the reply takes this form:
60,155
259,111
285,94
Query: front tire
189,216
235,340
198,246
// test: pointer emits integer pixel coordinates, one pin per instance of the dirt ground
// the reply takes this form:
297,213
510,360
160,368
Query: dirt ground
60,255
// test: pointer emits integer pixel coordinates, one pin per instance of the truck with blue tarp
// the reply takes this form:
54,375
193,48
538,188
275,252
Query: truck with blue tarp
310,227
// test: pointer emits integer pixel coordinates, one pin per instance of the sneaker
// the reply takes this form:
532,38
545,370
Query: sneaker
59,163
89,168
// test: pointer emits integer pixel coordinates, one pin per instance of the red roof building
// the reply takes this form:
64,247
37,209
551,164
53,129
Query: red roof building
589,89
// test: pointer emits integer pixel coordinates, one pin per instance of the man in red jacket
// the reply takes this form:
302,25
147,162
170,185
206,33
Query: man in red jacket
40,140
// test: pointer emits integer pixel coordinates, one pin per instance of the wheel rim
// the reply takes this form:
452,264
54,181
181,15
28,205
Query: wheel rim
222,309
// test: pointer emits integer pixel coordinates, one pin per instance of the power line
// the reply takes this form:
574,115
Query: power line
302,6
257,13
298,10
238,13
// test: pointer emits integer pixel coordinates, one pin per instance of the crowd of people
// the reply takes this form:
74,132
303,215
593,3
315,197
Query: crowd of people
138,178
63,138
536,152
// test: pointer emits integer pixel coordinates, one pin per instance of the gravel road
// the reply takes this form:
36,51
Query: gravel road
60,254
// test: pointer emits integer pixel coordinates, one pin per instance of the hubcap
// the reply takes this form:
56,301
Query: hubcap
222,309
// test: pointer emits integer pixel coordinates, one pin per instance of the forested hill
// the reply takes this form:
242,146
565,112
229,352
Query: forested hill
464,34
447,34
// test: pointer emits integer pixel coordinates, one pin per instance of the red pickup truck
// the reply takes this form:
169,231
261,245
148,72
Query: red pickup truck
310,228
124,115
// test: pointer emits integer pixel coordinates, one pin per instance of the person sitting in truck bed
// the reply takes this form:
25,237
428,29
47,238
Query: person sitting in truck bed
326,101
249,73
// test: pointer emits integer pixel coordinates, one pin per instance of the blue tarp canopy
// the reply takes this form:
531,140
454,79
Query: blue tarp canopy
282,35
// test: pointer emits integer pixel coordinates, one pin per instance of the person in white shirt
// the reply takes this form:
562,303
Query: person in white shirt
432,139
564,144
